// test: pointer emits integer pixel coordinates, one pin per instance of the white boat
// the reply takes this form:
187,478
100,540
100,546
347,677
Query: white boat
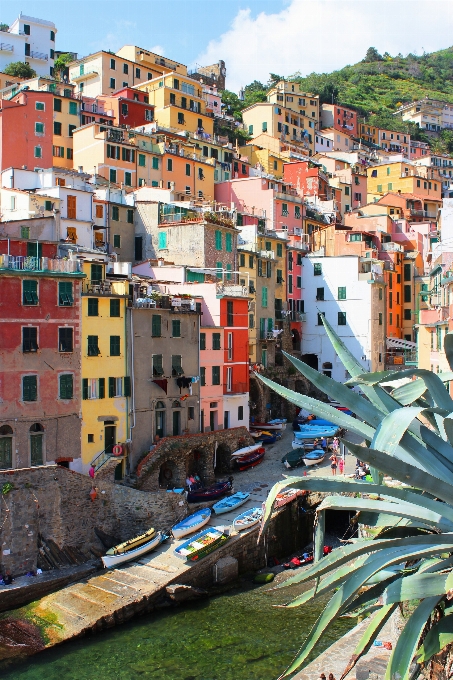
230,502
113,560
248,519
314,457
246,450
286,496
191,523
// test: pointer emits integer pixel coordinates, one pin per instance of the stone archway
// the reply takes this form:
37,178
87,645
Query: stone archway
170,475
222,460
257,398
200,461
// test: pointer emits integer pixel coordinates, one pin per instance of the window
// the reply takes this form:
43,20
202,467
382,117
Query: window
390,300
71,129
73,108
250,129
407,293
149,114
162,240
230,315
342,318
202,340
156,326
228,242
216,341
279,276
176,328
320,293
181,118
157,364
380,318
40,106
29,292
93,346
218,240
65,296
346,191
30,388
58,151
112,83
115,387
241,260
52,36
142,160
298,282
379,188
264,127
115,213
251,321
116,240
408,315
66,386
137,73
317,269
115,346
113,64
320,315
285,212
128,179
342,292
71,206
176,365
202,376
57,128
25,232
264,296
279,250
93,307
29,339
219,267
407,272
216,375
169,164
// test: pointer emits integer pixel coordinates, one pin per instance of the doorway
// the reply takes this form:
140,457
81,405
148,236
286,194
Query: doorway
160,419
109,438
176,423
212,419
226,420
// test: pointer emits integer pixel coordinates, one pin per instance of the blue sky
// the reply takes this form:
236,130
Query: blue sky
254,37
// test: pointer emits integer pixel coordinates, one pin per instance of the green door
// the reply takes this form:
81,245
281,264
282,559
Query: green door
160,423
176,423
36,449
6,453
109,438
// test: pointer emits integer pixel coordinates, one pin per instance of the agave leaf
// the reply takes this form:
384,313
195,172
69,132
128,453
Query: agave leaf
402,530
406,394
433,384
373,378
435,442
369,597
320,530
357,404
446,376
364,644
409,474
448,348
440,635
448,426
411,587
371,519
403,653
363,611
430,566
392,428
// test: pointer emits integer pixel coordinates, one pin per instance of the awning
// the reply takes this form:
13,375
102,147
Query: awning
397,343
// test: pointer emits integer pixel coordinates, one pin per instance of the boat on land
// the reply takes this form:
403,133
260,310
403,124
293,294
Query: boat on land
116,559
191,523
294,458
132,543
268,426
286,496
201,544
318,421
316,434
246,450
248,519
210,493
250,460
231,502
314,457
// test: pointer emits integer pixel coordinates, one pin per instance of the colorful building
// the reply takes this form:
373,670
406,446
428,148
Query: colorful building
339,118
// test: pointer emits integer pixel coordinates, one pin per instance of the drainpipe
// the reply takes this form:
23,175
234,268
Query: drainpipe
131,427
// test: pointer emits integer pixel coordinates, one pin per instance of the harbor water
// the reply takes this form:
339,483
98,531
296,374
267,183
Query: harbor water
236,636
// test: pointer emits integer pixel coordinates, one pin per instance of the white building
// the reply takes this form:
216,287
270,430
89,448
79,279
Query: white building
349,291
322,143
29,40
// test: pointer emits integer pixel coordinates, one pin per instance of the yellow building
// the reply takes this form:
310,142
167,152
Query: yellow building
271,153
281,123
106,385
292,97
66,118
151,61
405,178
427,113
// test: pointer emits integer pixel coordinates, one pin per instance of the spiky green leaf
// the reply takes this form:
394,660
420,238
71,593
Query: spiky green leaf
440,635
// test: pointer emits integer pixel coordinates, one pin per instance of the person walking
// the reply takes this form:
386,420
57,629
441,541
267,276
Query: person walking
333,464
341,465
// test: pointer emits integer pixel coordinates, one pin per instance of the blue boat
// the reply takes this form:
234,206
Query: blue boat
191,523
230,502
320,421
316,434
314,457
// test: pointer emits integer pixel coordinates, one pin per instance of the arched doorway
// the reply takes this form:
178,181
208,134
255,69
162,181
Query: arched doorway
222,460
169,476
6,447
36,444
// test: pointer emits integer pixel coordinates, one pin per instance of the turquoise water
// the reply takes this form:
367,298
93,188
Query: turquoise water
236,636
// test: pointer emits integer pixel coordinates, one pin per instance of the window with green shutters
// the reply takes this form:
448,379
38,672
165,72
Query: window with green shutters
279,275
317,269
176,365
66,339
269,269
268,245
155,163
29,339
264,296
228,270
65,296
260,267
158,368
342,292
115,213
162,240
407,293
127,386
115,346
202,340
407,272
156,326
36,449
219,266
270,325
101,389
262,329
241,260
195,276
290,283
239,220
6,453
216,375
130,216
96,273
202,376
34,249
29,292
115,307
112,388
93,307
290,261
279,249
30,388
216,341
73,108
176,328
142,160
218,240
66,386
93,346
380,318
320,315
228,242
342,318
116,240
112,175
298,282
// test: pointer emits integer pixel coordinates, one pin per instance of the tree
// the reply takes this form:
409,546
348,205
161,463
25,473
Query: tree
408,560
274,79
4,27
372,55
232,104
18,69
61,62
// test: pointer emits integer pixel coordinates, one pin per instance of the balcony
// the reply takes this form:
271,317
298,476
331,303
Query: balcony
391,247
236,388
39,56
104,287
267,335
6,47
417,213
228,290
84,76
39,264
267,254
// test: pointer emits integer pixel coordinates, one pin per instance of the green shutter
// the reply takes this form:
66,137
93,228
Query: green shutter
228,268
228,242
115,346
65,296
342,292
219,265
85,388
155,163
162,240
93,307
264,296
115,309
216,375
29,292
216,341
279,250
96,272
36,449
218,240
156,325
66,386
202,376
260,267
111,387
101,394
176,328
270,325
141,160
127,386
93,347
30,388
202,340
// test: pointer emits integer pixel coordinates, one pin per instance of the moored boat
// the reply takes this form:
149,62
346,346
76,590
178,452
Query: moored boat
316,434
246,450
294,458
286,496
250,460
191,523
210,493
248,519
274,425
113,560
319,421
314,457
201,544
132,543
230,502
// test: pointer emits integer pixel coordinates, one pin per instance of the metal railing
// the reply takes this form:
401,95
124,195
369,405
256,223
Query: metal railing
25,263
232,290
6,47
38,55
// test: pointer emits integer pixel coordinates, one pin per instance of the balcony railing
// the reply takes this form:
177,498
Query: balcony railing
267,254
104,287
39,264
227,290
40,56
236,388
267,335
6,47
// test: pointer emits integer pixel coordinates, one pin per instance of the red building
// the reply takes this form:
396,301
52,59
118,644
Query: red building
130,107
234,321
339,118
308,179
39,356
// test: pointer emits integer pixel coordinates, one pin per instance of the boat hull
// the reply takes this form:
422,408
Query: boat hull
187,526
286,497
248,519
294,458
194,555
230,503
267,426
132,543
246,450
250,461
114,560
210,493
314,461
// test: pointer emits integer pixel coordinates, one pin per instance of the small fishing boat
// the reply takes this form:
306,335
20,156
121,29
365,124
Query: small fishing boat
210,493
191,523
274,425
231,502
132,543
250,460
246,450
317,434
320,421
316,429
277,421
113,560
286,496
201,544
294,458
314,457
270,438
248,519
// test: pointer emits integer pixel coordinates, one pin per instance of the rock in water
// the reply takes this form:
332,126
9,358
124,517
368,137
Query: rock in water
181,593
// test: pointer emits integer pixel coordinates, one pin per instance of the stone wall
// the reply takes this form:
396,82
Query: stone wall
55,502
175,457
260,394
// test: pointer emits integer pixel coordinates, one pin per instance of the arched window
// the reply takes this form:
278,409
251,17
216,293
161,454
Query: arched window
6,447
159,405
36,444
176,404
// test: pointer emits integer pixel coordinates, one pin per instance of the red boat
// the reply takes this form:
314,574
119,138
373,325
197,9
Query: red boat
251,459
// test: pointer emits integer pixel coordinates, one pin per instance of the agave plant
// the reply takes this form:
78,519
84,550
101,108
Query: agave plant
408,435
